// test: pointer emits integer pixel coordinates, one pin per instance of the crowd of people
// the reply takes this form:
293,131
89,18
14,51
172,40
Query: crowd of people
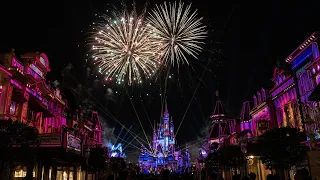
302,174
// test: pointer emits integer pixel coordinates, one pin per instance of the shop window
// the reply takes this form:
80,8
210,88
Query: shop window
31,115
22,172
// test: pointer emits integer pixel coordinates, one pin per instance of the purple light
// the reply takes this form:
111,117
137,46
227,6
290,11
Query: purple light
15,83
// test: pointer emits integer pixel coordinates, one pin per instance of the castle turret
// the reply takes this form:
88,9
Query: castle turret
166,129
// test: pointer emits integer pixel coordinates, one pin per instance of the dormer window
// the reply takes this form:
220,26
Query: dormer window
43,61
279,79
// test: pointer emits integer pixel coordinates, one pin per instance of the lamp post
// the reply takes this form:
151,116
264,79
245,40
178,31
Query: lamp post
87,155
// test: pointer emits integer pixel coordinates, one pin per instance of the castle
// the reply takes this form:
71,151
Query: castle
163,153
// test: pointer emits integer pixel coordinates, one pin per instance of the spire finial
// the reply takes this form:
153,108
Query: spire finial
217,93
165,107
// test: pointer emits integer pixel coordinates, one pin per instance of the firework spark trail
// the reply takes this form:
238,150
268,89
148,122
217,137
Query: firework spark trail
135,111
128,144
123,48
119,135
191,99
106,112
179,30
125,135
145,111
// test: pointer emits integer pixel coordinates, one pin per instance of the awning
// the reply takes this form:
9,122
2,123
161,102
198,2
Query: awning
315,95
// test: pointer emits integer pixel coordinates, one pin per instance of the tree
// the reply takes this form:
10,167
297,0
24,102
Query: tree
281,148
18,141
97,160
231,157
212,162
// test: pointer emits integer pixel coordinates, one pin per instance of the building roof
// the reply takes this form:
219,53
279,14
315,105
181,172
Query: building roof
219,111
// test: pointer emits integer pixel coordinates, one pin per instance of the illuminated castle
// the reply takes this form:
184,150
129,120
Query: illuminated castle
164,154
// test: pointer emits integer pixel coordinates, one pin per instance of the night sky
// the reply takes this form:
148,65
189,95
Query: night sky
252,38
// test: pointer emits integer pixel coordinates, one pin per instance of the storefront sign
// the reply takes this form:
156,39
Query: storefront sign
73,143
51,140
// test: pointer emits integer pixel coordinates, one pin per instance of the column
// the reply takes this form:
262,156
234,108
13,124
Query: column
39,170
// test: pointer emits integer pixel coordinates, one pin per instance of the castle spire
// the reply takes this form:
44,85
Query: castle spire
166,107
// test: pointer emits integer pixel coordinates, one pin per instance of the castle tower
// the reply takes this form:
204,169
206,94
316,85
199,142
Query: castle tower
222,126
166,128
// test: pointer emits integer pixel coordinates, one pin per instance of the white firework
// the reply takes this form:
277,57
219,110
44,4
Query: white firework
179,31
123,48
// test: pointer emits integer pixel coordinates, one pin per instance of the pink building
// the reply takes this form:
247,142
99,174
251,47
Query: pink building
279,106
287,101
25,96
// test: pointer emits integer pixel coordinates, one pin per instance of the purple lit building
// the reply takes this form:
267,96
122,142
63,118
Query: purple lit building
163,153
294,95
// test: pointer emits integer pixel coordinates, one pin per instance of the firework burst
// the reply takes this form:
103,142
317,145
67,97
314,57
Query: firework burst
179,31
123,48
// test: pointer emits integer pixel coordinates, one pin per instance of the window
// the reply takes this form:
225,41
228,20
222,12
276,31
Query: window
311,84
315,50
43,61
31,115
13,107
37,70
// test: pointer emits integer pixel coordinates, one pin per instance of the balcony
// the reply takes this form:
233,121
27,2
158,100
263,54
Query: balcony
33,76
17,70
17,64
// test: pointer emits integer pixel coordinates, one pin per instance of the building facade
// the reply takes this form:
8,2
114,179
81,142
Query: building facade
163,153
66,139
288,103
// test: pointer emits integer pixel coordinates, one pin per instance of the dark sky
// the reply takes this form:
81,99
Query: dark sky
254,36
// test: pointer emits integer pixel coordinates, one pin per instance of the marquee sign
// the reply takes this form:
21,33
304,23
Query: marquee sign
50,140
73,143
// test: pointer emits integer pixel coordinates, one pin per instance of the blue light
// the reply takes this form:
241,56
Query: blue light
301,58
